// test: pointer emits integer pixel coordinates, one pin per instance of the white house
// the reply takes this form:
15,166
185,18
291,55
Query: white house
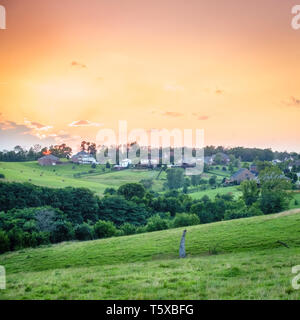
125,163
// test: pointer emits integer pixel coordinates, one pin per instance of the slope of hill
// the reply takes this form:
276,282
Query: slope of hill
63,176
239,259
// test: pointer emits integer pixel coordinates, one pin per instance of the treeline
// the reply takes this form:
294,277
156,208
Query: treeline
21,155
250,154
63,151
32,215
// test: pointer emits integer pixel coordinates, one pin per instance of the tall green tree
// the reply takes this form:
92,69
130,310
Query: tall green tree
250,191
275,187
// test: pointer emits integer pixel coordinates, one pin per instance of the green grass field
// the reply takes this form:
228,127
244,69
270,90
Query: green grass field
63,176
213,192
238,259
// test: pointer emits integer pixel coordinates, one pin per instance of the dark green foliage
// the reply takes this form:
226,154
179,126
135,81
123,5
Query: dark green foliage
184,220
128,228
275,195
79,204
4,242
131,190
110,191
119,210
105,229
157,223
250,191
2,176
175,178
83,232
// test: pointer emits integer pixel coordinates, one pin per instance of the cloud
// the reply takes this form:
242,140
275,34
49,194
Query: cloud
37,126
172,114
200,116
12,134
292,102
218,91
78,64
85,123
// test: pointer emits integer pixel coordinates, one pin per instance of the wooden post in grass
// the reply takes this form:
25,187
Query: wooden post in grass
182,246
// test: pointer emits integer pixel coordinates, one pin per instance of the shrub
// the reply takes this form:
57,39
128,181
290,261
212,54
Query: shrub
184,219
156,223
2,176
105,229
94,166
83,232
128,229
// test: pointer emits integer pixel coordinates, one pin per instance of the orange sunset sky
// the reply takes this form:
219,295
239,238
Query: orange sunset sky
71,67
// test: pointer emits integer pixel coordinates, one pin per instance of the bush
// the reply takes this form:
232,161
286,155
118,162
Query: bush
105,229
128,229
2,176
62,232
157,223
83,232
4,242
184,220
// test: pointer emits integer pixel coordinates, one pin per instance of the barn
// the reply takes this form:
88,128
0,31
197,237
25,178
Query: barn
48,160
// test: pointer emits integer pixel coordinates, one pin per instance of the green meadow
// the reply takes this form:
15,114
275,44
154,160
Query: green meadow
61,176
237,259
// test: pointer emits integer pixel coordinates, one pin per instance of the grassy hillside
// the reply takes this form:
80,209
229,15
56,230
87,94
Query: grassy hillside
239,259
63,176
213,192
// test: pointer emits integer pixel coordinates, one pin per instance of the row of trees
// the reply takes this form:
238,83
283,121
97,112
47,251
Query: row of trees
19,154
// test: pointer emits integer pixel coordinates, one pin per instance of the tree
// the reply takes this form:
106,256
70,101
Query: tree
184,220
4,242
61,151
175,178
156,223
119,210
275,187
131,190
105,229
212,181
250,191
83,232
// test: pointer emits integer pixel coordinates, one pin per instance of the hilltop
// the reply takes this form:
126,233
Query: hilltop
237,259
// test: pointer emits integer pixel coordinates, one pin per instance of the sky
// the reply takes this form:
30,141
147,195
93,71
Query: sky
70,68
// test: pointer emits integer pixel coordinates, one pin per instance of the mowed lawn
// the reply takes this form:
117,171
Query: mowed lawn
238,259
61,176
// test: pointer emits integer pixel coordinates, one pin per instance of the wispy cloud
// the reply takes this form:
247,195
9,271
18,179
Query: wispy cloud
78,64
172,114
37,126
85,123
200,116
292,102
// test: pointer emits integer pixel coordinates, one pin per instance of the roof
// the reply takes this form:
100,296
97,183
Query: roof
236,174
50,157
81,153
